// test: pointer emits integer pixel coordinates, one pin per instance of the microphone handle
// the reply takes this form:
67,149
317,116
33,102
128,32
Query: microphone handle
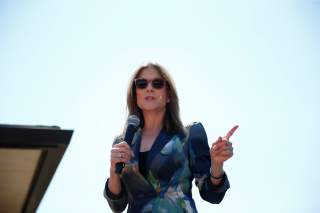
129,134
119,167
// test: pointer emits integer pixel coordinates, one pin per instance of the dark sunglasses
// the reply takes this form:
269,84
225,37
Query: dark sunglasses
142,83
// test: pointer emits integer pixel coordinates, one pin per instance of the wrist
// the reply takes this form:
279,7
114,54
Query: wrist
216,170
216,166
216,175
113,171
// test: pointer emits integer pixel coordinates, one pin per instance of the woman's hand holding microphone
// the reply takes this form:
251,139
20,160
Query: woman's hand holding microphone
120,153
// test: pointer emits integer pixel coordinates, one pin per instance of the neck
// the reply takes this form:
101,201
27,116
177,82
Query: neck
153,121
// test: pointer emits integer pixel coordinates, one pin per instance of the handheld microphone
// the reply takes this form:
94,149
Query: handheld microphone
133,123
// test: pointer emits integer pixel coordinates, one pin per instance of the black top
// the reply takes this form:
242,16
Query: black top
142,163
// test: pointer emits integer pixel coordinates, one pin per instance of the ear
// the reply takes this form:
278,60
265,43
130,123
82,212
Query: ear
168,100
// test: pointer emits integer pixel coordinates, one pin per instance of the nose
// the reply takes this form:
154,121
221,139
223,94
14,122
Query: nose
149,87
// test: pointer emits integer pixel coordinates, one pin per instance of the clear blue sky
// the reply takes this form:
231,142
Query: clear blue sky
252,63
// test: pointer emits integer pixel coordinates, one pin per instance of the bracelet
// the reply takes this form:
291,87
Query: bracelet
216,178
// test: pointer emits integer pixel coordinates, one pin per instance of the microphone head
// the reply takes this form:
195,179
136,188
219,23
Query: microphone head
133,120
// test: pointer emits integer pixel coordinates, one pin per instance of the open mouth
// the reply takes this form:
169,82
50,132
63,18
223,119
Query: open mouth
149,98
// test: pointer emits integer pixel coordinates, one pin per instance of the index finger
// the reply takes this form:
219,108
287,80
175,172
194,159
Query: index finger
230,133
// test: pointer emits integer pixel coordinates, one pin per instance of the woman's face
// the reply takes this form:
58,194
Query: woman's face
150,98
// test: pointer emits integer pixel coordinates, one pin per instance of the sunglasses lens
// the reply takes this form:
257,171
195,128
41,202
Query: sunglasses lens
141,83
158,83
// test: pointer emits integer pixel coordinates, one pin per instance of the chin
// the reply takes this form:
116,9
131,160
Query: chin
152,108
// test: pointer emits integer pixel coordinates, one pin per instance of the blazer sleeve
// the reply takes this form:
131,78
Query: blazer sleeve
117,203
200,163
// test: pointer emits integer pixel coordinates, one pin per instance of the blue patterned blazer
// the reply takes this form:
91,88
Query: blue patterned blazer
172,163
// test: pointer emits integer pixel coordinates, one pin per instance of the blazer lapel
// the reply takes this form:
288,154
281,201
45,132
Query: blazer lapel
162,139
135,145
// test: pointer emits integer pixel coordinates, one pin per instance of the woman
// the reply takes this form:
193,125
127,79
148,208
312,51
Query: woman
164,156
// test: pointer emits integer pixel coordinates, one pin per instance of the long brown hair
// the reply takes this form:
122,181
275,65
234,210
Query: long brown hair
172,122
